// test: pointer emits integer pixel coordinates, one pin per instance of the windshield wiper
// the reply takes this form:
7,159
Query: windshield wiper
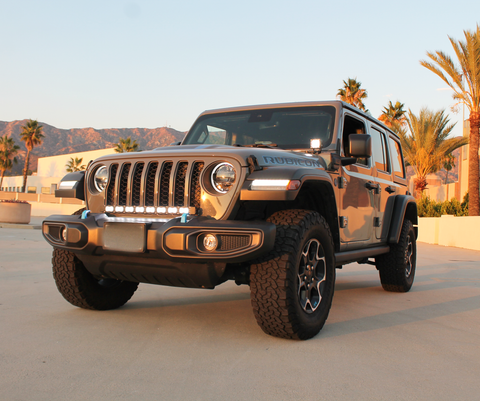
259,145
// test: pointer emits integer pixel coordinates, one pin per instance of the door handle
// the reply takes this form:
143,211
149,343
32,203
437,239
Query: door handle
390,190
371,186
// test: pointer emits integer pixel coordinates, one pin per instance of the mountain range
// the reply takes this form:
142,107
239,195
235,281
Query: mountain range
58,141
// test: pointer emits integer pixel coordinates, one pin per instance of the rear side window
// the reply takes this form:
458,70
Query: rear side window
380,154
397,160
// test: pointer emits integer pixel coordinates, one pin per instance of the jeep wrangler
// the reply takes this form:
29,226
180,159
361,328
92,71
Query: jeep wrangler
276,197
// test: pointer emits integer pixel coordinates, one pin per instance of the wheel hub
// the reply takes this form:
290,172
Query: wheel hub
311,276
409,254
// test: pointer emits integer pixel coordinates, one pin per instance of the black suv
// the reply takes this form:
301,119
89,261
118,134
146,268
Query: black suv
273,196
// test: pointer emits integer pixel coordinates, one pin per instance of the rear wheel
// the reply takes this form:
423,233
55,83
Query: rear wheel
292,288
397,268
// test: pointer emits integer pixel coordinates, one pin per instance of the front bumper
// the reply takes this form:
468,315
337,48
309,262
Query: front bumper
239,241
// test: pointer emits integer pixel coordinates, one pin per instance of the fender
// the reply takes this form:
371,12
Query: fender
302,175
405,206
72,186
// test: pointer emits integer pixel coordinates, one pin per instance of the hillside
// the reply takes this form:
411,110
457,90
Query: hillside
62,141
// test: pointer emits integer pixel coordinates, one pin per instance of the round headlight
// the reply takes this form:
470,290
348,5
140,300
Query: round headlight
223,177
100,179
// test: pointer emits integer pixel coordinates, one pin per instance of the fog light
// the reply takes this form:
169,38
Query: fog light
64,234
210,242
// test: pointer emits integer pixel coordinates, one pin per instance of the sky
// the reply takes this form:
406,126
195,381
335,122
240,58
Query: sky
145,63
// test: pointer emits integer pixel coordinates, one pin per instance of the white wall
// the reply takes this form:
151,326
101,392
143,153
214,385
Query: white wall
460,232
55,166
51,170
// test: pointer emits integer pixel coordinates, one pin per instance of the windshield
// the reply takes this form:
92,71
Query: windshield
288,128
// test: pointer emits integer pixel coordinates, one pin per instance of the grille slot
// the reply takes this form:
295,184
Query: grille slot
111,185
150,184
195,189
122,192
156,185
137,180
180,184
165,184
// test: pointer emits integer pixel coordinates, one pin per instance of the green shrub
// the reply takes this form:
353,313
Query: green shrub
429,208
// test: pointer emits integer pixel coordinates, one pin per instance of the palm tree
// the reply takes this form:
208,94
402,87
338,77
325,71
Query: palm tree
352,94
448,164
8,150
126,145
393,115
75,165
465,82
32,136
426,144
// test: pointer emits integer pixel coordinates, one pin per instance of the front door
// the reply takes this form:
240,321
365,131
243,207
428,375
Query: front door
356,197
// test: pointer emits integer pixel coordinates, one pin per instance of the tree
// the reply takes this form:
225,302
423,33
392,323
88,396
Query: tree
32,136
393,115
8,150
465,82
352,94
75,165
426,144
448,164
126,145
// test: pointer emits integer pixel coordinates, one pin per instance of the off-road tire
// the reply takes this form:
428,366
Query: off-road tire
397,268
276,285
79,287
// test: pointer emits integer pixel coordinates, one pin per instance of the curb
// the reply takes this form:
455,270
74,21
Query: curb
22,226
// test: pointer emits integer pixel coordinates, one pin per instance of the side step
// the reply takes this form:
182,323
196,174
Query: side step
342,258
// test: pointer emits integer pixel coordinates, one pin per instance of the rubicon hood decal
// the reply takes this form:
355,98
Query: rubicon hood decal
290,161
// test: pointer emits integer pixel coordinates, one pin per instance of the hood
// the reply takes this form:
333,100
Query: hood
266,157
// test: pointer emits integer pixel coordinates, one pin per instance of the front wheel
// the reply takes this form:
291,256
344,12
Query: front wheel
79,287
292,288
397,268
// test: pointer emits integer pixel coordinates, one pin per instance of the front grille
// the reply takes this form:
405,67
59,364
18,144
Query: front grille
154,187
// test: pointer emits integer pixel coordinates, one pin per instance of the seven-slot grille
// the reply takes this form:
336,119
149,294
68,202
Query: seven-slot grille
154,187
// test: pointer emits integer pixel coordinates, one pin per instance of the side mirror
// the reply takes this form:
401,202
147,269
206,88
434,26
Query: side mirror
175,143
360,145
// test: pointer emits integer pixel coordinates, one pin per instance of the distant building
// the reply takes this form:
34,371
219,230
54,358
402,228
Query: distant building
50,171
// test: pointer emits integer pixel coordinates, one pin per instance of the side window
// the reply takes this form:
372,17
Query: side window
379,150
397,160
352,126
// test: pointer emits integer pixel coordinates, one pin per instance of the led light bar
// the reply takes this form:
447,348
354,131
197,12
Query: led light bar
269,185
67,184
151,210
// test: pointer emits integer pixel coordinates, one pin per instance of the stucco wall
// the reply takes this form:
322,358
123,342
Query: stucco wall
51,170
54,166
460,232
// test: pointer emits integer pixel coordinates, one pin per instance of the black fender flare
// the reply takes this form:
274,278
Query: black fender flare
72,186
404,207
302,174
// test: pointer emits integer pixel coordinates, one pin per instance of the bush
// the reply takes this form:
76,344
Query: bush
12,201
430,208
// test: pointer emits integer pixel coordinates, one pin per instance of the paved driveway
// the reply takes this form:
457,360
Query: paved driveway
181,344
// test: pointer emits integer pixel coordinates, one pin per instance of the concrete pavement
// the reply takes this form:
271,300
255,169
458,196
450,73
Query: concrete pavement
183,344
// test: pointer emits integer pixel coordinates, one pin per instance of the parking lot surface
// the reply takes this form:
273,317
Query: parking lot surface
184,344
